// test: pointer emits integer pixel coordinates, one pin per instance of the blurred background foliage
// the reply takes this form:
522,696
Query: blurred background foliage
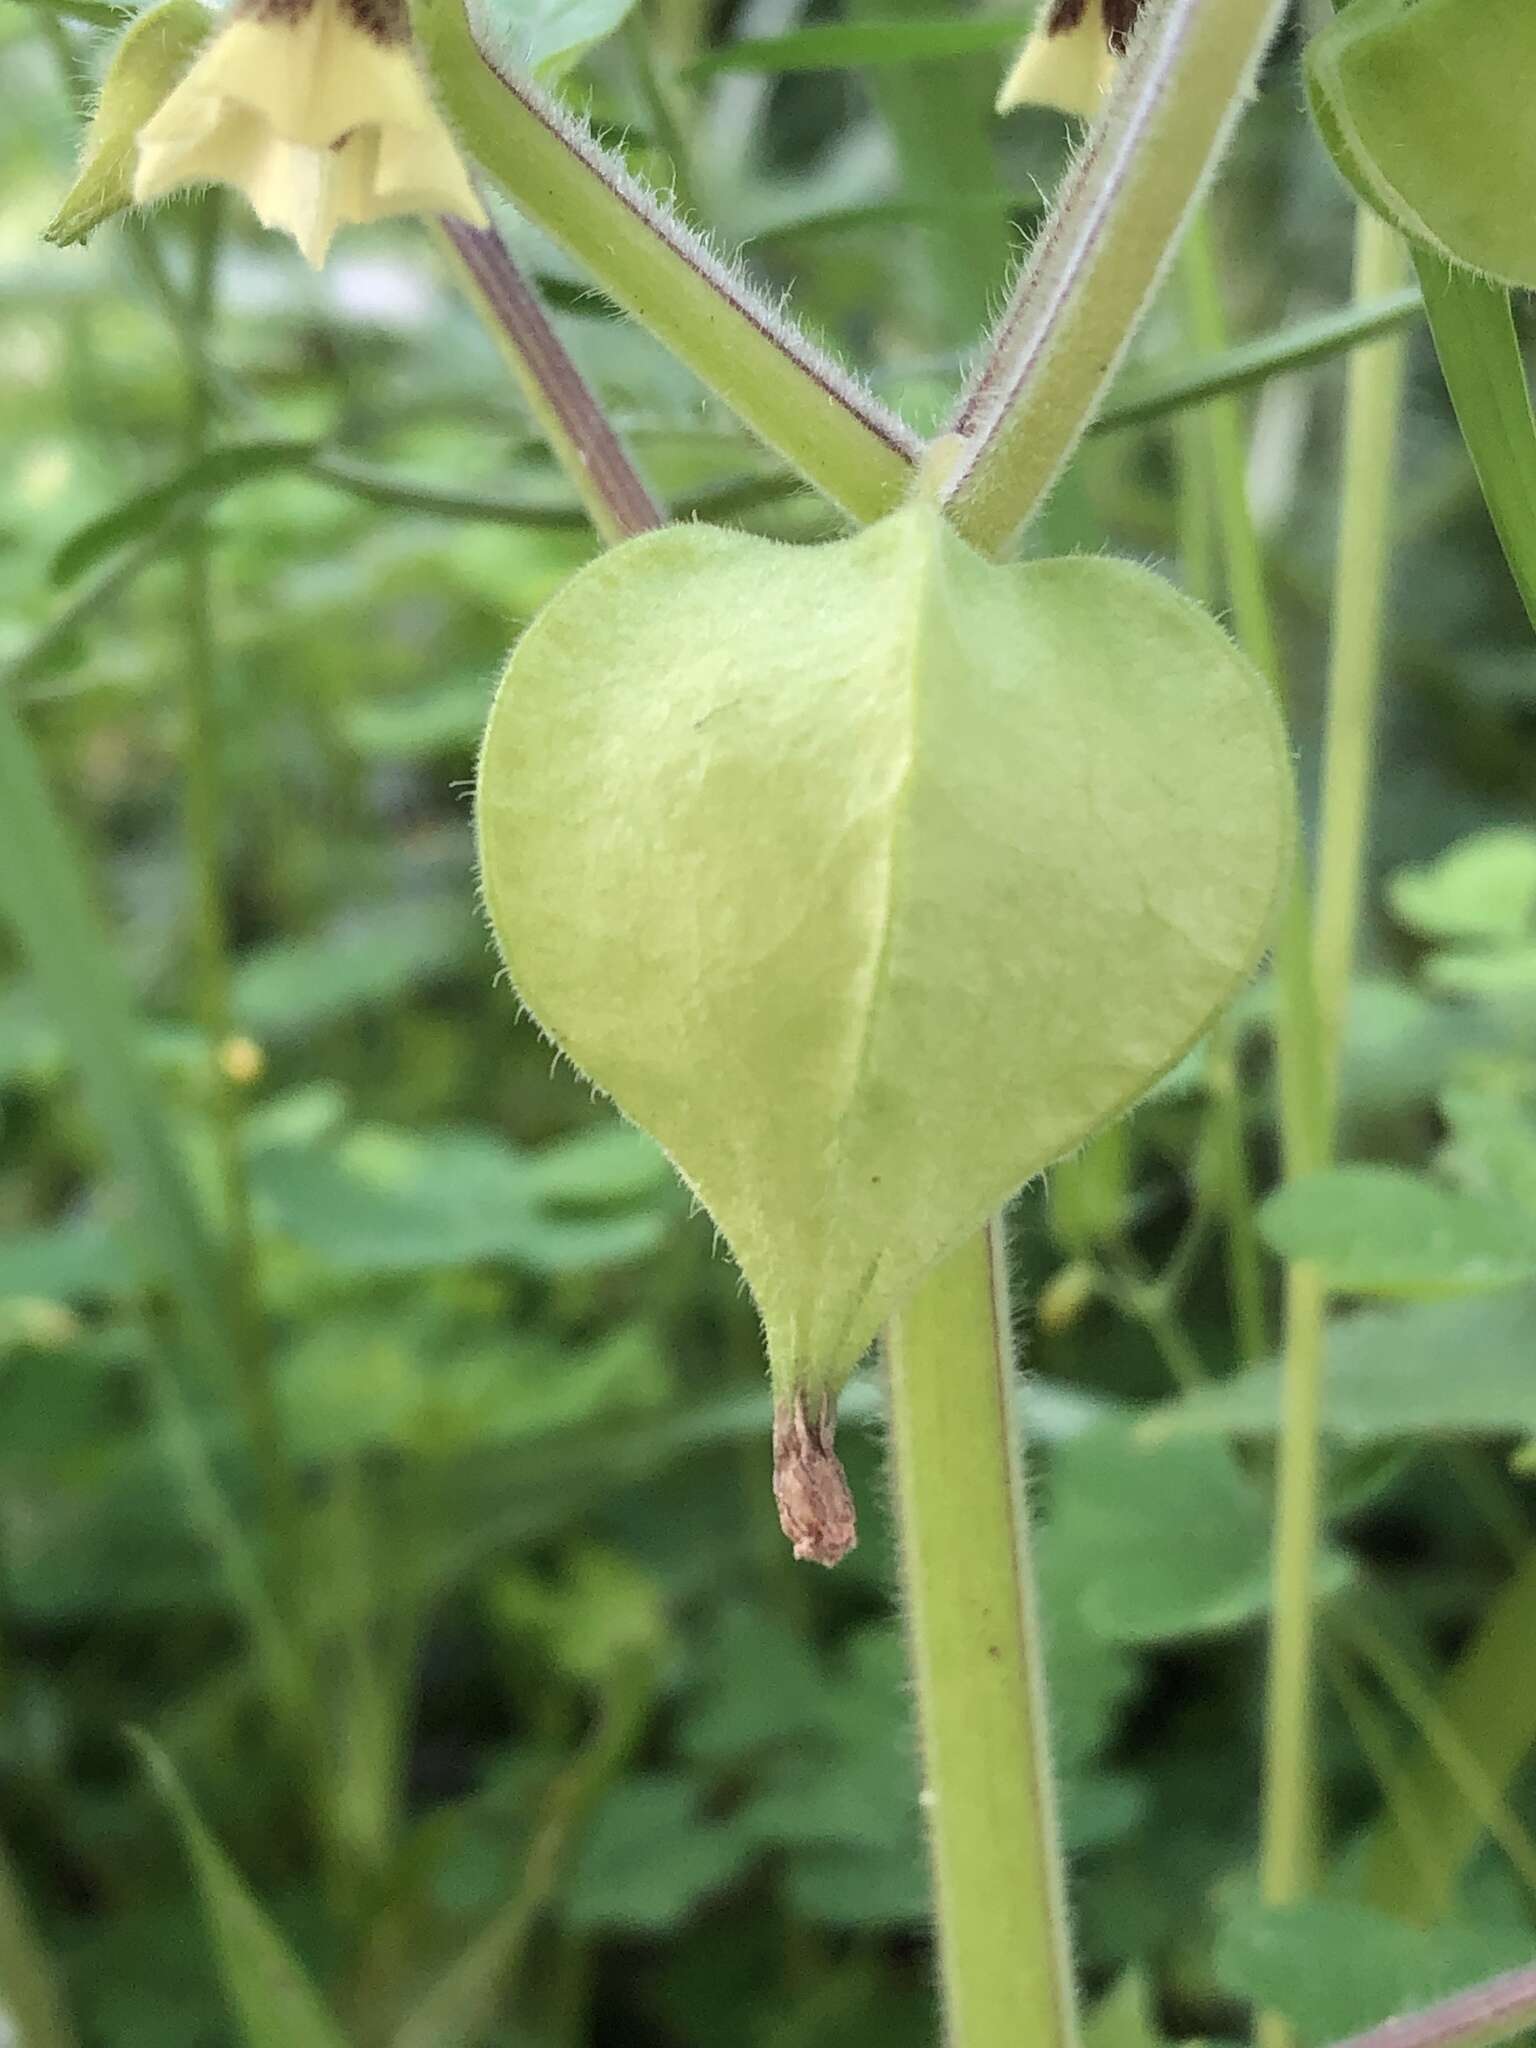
506,1713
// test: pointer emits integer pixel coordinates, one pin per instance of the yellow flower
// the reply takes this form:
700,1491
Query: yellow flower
1071,57
316,111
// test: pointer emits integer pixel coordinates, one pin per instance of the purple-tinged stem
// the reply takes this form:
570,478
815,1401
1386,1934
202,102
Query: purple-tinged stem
1488,2012
588,448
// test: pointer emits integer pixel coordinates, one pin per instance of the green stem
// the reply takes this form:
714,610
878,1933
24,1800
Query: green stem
977,1656
1290,1821
1481,1794
1222,471
1488,1700
205,806
575,426
791,394
1221,372
1373,402
1288,1850
463,2000
1105,243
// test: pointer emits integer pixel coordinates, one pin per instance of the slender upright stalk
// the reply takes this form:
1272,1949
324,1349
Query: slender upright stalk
578,431
978,1660
1289,1846
205,806
1111,232
1211,444
1374,400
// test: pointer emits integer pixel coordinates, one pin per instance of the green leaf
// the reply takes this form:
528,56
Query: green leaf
1380,1230
71,1262
376,955
267,1987
1484,887
1492,1146
150,57
840,46
1413,97
650,1860
550,36
1154,1542
49,901
379,1200
956,776
32,2008
1474,329
414,1381
1333,1969
1434,1369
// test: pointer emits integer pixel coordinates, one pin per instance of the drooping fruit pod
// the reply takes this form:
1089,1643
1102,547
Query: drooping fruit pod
870,878
1426,107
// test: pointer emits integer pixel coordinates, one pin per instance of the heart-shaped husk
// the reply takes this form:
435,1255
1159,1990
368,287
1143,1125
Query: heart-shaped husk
870,878
1426,106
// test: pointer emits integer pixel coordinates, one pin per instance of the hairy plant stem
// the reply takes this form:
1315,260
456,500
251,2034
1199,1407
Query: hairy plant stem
742,346
1488,2012
1108,237
583,442
1289,1846
977,1658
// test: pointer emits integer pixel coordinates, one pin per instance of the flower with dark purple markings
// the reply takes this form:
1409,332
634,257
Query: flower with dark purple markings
1071,56
316,110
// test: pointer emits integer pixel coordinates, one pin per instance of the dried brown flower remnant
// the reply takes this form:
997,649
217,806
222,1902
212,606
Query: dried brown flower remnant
809,1484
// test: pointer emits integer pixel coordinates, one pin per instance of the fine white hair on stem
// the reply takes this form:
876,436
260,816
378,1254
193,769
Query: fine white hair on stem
726,275
1100,255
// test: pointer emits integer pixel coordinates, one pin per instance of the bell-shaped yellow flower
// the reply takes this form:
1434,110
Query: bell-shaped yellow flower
1070,58
316,110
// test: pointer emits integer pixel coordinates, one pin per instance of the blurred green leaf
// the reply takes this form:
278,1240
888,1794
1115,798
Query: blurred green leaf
33,2008
414,1381
73,1260
1430,1369
839,46
1381,1230
550,36
379,1200
1484,888
652,1857
1333,1968
1156,1542
266,1984
1473,324
374,956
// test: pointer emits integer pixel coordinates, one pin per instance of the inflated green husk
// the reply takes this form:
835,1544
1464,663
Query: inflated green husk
871,878
1427,108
